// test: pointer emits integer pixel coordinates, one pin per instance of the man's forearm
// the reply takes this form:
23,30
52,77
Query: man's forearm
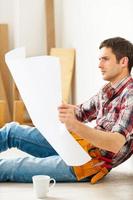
105,140
101,139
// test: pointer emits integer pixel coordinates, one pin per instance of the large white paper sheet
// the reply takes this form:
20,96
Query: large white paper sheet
38,81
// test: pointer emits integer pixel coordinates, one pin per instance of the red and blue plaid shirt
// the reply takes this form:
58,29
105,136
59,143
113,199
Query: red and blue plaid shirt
112,108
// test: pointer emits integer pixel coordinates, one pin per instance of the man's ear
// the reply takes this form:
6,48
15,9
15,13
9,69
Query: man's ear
124,61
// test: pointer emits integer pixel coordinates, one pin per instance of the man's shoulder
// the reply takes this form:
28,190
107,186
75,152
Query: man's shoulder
129,86
128,90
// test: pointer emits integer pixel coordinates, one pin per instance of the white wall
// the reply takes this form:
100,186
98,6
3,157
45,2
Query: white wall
26,22
29,26
83,24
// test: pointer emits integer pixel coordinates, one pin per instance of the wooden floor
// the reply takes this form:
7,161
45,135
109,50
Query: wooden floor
118,185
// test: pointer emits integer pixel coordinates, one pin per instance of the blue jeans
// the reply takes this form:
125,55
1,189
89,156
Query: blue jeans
44,160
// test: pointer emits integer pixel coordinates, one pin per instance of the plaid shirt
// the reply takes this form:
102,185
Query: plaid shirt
112,108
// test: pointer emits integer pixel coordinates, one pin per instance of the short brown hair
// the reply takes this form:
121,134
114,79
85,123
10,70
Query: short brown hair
121,48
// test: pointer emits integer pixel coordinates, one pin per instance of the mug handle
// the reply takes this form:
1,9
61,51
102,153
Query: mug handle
52,184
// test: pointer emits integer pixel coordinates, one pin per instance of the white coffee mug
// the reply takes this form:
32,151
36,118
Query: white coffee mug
42,184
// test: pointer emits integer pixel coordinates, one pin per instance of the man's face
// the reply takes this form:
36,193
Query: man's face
110,68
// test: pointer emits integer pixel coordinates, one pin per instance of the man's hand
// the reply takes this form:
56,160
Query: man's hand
67,115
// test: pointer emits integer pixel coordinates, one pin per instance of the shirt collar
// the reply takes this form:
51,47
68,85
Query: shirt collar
110,90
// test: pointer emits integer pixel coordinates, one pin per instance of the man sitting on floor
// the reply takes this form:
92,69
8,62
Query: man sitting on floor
109,143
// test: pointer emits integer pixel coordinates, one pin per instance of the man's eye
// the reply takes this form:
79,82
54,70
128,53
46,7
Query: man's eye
105,58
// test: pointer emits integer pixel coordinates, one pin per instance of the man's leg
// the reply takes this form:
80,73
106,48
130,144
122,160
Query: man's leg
46,160
30,140
25,138
22,169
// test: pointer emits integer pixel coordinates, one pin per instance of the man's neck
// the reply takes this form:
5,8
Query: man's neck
119,79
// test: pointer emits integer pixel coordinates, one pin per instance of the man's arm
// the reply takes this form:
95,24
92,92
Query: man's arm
87,111
104,140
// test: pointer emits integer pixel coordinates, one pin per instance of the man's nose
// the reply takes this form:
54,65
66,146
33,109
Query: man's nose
100,64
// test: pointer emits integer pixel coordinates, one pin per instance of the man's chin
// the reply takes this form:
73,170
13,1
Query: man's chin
105,78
